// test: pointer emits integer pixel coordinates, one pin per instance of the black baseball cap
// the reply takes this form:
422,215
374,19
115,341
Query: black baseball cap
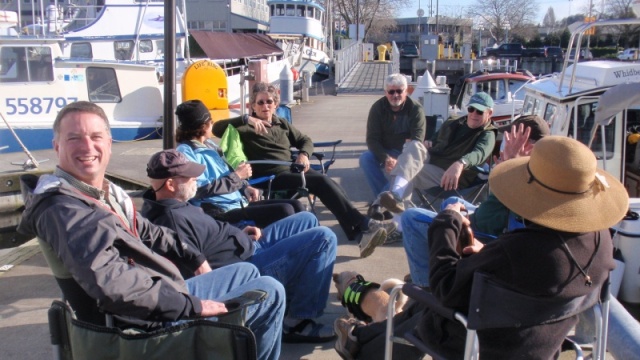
539,127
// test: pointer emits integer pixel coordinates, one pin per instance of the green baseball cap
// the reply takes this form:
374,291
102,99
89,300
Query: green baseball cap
481,101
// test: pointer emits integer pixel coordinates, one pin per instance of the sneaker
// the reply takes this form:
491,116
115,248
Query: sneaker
347,345
307,331
389,226
370,239
394,237
392,202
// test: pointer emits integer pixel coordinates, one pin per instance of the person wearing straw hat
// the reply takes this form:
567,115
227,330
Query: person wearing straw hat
564,252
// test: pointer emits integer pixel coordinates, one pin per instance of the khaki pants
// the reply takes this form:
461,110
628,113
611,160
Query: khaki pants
413,165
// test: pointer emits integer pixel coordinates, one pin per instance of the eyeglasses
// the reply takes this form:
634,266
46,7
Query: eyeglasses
471,109
262,102
395,91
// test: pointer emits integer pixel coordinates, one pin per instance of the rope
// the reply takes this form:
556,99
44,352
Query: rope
24,148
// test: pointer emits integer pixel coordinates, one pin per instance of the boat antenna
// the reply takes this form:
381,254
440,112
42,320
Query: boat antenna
187,49
34,163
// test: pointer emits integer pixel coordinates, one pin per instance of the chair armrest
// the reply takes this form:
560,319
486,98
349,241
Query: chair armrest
419,294
327,143
261,179
237,307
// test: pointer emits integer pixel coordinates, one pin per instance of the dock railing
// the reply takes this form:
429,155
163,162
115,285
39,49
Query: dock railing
346,59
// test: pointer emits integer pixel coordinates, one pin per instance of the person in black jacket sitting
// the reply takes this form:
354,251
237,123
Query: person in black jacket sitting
295,250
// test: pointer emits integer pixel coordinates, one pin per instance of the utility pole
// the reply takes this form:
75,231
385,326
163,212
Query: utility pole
357,20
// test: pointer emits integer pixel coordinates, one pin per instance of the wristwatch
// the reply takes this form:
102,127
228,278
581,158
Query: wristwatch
463,162
245,119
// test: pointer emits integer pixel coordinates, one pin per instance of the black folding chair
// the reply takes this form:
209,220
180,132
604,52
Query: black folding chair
493,305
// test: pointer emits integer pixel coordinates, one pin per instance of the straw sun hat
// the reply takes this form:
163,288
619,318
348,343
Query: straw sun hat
560,187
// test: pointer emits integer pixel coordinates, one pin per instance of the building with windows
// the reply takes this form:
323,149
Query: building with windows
250,16
452,30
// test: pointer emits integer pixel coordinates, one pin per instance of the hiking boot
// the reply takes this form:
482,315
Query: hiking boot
347,345
371,238
392,202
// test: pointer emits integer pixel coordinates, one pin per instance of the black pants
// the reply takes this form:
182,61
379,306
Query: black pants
262,213
330,193
371,337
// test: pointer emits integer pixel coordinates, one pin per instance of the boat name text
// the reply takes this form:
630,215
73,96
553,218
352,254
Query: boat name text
36,105
626,73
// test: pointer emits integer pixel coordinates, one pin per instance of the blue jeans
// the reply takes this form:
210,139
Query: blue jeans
374,171
264,319
415,225
300,254
623,340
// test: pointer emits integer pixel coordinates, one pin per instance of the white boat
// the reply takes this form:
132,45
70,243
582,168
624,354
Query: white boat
36,83
298,28
598,103
122,30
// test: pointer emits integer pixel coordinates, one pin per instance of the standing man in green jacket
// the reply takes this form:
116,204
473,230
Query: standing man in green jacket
460,145
394,120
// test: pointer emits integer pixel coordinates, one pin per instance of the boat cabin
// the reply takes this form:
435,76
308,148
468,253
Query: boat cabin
35,83
570,105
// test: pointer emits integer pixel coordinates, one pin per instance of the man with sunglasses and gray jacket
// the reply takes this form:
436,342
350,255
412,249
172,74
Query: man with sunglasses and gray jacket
460,145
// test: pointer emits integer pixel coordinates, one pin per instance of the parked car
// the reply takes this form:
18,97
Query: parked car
585,54
555,52
409,50
628,54
514,50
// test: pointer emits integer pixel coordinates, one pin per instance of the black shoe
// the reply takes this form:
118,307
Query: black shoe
375,212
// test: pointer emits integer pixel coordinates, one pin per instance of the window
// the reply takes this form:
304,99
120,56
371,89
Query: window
81,50
22,64
145,46
514,86
310,11
279,10
123,49
290,10
102,85
582,127
549,113
529,104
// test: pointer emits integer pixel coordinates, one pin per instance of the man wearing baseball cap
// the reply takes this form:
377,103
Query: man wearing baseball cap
295,250
460,145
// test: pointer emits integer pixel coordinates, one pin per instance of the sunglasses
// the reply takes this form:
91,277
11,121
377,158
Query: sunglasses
471,109
395,91
262,102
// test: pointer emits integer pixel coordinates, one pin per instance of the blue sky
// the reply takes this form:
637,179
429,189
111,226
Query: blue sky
452,8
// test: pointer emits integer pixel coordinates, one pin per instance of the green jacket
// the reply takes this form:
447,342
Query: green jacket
456,141
389,130
275,145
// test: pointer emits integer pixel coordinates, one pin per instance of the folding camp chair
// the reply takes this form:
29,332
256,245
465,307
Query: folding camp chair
80,330
494,306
